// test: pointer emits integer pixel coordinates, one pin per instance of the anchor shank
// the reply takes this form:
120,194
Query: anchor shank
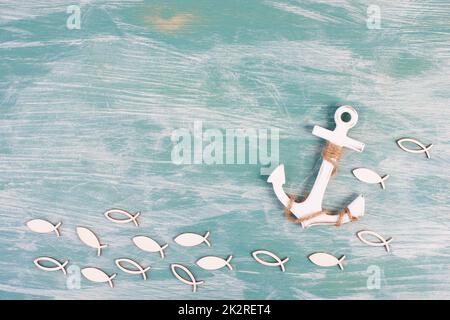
320,185
313,202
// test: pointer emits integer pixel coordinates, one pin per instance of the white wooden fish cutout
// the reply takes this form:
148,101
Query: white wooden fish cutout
43,226
326,260
58,265
278,262
138,269
90,239
97,275
192,281
149,245
369,176
131,218
423,148
382,243
214,263
192,239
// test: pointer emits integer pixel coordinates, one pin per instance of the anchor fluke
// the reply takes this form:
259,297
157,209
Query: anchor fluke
277,176
358,206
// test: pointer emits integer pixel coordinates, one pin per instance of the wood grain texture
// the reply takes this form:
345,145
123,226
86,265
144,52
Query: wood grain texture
86,119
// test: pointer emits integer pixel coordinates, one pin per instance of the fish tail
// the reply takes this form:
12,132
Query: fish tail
136,215
427,149
56,229
205,238
386,244
144,271
382,181
63,267
161,252
111,284
228,262
282,264
195,283
99,249
341,259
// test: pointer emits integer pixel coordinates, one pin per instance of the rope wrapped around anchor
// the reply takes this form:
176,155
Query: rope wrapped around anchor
290,216
331,153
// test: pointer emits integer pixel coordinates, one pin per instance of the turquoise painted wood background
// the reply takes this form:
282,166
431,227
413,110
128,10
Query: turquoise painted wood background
86,119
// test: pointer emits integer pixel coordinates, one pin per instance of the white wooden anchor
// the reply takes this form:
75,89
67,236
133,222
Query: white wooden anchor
313,203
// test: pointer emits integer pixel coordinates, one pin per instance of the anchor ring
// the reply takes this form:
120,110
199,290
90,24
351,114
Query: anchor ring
351,121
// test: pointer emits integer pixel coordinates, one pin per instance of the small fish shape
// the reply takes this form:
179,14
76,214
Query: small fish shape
382,243
138,268
149,245
43,226
97,275
90,239
214,263
58,265
326,260
369,176
192,239
192,281
278,262
422,149
131,218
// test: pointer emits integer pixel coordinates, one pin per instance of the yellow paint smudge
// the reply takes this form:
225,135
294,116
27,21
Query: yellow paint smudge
172,24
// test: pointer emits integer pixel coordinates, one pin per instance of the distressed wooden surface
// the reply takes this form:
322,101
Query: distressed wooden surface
86,118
